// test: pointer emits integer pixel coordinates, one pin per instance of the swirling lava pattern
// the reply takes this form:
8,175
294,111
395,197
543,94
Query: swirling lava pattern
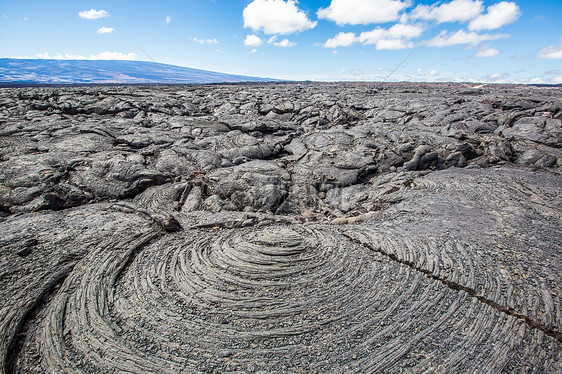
279,299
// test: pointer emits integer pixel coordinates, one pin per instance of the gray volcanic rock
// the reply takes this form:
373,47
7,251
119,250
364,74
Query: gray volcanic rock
122,176
281,228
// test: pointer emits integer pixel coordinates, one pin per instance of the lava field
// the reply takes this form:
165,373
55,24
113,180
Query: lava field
281,228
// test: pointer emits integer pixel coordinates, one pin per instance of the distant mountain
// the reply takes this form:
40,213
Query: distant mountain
27,71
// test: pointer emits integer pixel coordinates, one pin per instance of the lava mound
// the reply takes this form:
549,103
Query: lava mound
271,300
225,301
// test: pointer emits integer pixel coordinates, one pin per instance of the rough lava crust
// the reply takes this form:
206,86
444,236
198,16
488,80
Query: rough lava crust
326,228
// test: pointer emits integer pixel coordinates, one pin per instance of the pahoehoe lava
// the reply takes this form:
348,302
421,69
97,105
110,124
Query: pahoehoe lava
345,228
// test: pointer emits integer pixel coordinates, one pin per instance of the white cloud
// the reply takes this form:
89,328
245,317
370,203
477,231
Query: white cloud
373,36
488,52
397,31
405,31
276,17
113,56
272,39
93,14
433,73
362,12
99,56
495,77
498,15
285,43
454,11
105,30
253,51
420,70
550,52
536,80
168,19
206,41
445,39
396,37
393,44
253,41
335,52
556,80
343,39
60,56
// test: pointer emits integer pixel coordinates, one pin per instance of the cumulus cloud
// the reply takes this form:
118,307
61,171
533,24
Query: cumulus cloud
206,41
487,52
99,56
61,56
343,39
445,39
396,37
362,12
395,32
556,80
433,73
276,17
93,14
105,30
498,15
393,44
550,52
113,56
285,43
405,31
253,41
495,77
454,11
168,19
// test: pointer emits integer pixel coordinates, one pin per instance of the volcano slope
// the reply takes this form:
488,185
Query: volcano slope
335,228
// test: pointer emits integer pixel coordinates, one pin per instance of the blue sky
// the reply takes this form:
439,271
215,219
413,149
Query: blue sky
365,40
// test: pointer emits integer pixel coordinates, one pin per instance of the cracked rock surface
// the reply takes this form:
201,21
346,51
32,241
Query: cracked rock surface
345,228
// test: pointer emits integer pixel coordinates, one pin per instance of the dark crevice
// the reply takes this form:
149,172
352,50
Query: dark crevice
367,174
182,196
275,156
552,332
133,253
